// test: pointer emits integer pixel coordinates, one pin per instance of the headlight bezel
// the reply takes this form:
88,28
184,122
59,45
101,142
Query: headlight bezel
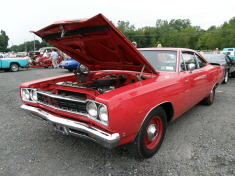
91,106
33,95
27,95
98,117
103,113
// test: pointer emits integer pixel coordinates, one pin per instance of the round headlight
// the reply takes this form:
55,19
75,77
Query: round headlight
33,95
103,113
91,109
25,94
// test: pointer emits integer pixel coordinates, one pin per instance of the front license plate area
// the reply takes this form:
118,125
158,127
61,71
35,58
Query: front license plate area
60,128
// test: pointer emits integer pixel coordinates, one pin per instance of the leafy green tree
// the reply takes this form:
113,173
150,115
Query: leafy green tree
125,27
178,24
2,48
3,41
189,37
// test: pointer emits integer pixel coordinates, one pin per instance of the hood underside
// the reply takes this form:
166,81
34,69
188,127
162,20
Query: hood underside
95,43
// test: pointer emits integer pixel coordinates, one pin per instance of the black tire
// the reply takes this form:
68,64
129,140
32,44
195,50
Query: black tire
225,77
210,98
151,135
70,70
46,67
233,74
14,67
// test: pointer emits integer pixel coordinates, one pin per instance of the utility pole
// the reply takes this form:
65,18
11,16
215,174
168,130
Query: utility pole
34,42
25,45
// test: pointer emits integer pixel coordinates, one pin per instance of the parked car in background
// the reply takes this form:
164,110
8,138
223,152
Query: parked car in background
12,64
69,64
41,58
223,60
128,96
230,52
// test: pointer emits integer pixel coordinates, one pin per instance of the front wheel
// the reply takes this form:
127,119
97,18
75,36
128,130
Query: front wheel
14,67
233,74
150,136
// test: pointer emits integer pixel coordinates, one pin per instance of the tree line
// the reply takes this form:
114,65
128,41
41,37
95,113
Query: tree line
173,33
180,33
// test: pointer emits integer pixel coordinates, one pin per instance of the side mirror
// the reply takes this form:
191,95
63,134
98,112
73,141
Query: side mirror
191,67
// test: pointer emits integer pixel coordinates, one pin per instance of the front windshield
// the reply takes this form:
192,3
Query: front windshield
214,57
161,60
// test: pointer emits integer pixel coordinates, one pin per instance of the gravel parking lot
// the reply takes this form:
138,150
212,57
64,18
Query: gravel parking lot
200,142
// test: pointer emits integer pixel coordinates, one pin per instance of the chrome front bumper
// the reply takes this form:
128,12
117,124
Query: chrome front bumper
74,128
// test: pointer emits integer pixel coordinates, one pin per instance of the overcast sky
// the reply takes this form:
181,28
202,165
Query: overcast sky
18,17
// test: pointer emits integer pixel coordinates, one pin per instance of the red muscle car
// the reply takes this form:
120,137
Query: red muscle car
126,95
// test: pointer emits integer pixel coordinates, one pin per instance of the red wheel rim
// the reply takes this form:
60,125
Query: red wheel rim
153,132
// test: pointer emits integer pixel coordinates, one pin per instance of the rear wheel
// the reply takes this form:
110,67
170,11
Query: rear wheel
70,70
14,67
225,77
233,74
150,136
210,98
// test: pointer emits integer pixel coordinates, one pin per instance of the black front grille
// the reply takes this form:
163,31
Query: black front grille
63,104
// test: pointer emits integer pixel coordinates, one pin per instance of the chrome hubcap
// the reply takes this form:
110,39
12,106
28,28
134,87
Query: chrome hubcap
14,68
152,132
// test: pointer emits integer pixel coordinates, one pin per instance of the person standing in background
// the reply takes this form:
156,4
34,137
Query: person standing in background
5,55
45,54
134,43
12,54
216,51
54,58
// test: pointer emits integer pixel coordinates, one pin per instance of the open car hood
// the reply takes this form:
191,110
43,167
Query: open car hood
96,43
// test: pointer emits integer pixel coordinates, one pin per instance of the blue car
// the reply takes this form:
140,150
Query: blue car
69,64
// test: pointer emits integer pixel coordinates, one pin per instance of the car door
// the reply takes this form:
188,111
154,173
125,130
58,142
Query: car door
231,64
195,82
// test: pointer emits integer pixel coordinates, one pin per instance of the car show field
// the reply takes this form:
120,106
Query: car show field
123,111
200,142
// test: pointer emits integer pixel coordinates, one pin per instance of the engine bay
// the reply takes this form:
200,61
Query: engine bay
102,81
